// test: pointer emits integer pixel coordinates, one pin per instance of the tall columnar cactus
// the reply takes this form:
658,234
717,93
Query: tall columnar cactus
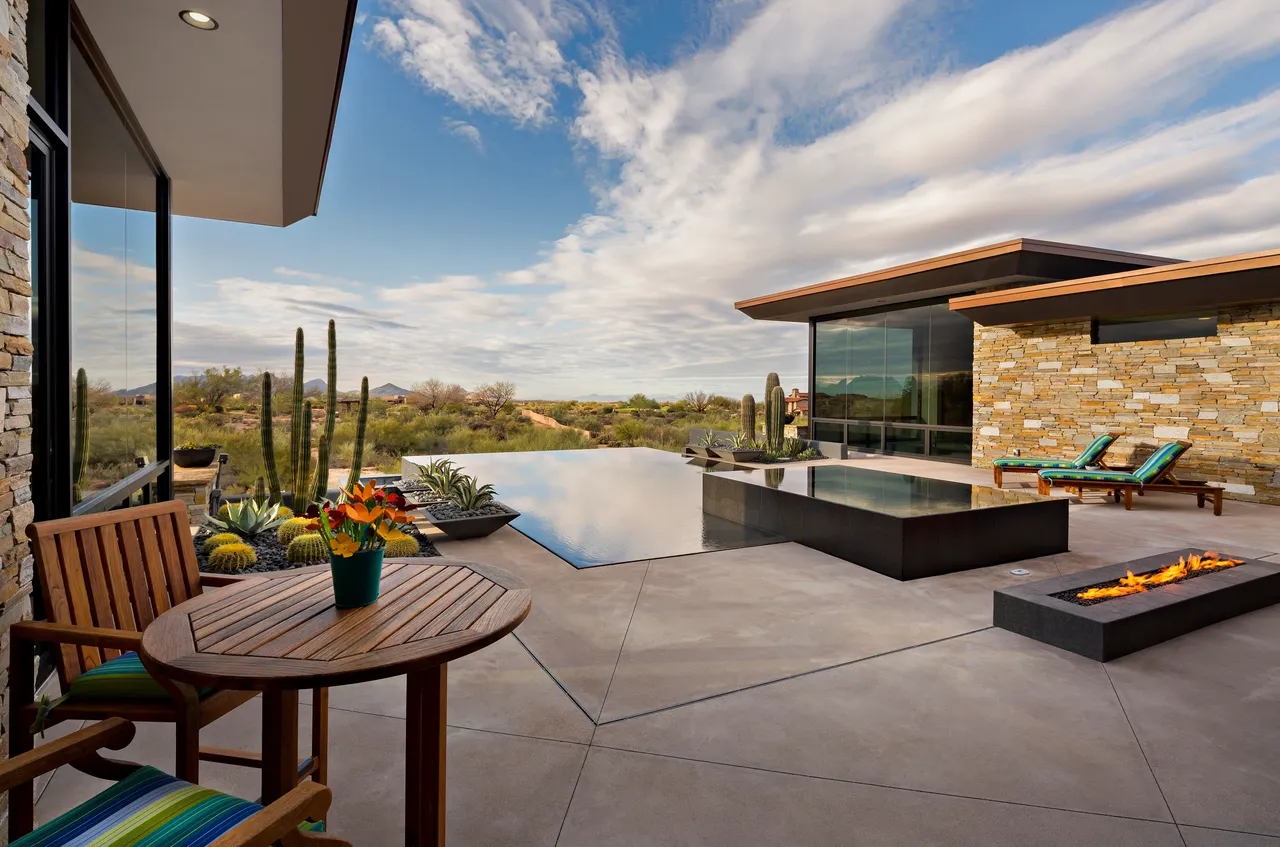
295,434
80,454
268,440
303,487
362,418
330,415
322,470
260,491
770,382
774,419
747,423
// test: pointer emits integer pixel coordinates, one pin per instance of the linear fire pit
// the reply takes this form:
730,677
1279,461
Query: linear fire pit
1114,627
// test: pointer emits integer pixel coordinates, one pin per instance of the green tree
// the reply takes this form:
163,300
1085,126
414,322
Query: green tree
640,401
212,387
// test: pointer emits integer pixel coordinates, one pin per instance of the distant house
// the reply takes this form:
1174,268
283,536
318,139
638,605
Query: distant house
797,402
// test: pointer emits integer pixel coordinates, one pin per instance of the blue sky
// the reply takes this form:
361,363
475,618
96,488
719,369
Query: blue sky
570,194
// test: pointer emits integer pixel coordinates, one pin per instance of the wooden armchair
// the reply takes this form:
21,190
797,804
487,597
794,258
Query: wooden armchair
147,800
105,577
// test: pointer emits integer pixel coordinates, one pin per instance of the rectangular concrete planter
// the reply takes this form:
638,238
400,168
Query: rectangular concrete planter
736,454
1123,625
460,529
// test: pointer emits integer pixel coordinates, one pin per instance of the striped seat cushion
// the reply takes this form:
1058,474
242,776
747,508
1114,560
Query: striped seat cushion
1082,475
1094,451
1015,462
121,678
147,809
1160,461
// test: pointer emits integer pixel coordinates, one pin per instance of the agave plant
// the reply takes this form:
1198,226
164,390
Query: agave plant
468,495
742,441
709,439
248,518
441,476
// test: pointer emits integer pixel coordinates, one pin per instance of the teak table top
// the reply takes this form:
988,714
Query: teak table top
282,630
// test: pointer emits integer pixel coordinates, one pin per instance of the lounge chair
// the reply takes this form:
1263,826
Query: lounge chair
147,806
1155,474
1092,455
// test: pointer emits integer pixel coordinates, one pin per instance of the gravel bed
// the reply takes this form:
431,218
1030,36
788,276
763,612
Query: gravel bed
448,511
271,553
1070,596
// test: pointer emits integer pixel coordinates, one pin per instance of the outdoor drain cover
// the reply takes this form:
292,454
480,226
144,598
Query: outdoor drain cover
1019,571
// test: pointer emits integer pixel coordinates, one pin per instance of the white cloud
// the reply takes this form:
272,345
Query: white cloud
500,56
466,131
809,139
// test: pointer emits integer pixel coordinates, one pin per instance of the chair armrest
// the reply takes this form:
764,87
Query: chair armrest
217,580
85,636
114,733
281,819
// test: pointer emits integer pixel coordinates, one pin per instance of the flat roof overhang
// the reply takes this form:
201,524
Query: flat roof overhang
1188,286
1020,261
240,117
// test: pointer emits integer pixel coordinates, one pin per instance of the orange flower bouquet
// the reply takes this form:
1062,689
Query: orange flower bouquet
357,531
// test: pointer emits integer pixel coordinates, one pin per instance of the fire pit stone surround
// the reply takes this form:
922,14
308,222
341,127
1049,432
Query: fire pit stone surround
1121,625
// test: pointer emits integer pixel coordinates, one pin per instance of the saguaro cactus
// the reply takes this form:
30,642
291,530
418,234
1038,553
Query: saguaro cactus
747,422
331,406
80,453
774,418
770,382
302,488
322,470
295,434
268,440
260,491
362,418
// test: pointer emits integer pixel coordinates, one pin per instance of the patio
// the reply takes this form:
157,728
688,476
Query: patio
776,695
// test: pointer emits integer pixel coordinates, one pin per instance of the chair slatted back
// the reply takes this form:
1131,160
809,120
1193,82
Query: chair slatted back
118,569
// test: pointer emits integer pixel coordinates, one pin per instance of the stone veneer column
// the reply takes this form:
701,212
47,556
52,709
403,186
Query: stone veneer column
1045,389
16,508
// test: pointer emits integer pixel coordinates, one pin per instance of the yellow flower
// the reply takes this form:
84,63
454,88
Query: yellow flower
390,533
344,545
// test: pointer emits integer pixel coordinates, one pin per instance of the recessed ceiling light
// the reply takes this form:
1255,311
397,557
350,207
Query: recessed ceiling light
199,20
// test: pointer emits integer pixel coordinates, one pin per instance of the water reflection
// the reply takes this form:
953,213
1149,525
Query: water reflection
888,493
604,507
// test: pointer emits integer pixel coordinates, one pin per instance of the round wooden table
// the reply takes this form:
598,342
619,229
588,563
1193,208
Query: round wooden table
279,633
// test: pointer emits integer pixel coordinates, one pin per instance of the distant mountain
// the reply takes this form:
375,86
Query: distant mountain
388,389
150,387
314,385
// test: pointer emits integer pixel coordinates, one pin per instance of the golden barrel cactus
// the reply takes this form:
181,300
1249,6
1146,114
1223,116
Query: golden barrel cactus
232,557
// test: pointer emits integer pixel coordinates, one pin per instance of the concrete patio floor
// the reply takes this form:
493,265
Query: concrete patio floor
778,696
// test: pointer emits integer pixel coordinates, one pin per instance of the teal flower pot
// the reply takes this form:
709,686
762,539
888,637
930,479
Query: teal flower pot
357,580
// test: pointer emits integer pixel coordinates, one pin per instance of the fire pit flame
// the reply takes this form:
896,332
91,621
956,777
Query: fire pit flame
1185,567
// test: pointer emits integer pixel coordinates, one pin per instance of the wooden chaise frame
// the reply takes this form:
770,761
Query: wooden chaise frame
1164,481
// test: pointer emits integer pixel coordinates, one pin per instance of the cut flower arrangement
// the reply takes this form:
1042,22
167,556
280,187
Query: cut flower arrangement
368,519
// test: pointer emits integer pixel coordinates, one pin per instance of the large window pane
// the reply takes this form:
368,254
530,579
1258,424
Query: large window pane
906,364
951,364
864,438
956,446
865,384
830,432
113,281
830,367
898,439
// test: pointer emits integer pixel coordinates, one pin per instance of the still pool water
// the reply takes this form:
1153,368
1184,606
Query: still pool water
604,507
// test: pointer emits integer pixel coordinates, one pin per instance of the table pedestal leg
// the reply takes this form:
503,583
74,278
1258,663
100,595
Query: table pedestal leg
279,744
424,759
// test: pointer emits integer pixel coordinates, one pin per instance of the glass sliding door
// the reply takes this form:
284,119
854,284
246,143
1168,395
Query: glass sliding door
897,382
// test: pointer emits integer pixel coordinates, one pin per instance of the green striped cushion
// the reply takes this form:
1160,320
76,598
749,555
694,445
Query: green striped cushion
1094,451
147,809
1015,462
121,678
1159,461
1082,475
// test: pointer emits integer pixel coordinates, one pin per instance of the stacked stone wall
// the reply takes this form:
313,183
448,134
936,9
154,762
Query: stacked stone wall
1046,390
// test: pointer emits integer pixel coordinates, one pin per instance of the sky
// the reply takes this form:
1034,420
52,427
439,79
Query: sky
571,194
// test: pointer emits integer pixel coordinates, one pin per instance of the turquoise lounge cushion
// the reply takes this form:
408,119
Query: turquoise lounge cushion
1083,475
148,808
121,678
1090,456
1016,462
1160,461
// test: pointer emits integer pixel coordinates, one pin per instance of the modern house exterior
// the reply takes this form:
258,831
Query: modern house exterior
116,115
1037,347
